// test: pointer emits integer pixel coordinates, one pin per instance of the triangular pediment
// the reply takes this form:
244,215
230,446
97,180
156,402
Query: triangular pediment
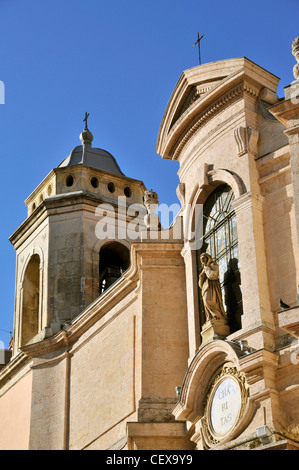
201,87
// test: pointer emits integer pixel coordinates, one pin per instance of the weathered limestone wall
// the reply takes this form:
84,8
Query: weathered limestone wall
164,329
279,225
118,362
83,393
48,405
65,299
15,414
104,370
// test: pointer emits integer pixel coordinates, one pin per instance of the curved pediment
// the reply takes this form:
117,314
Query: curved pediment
203,90
210,356
214,397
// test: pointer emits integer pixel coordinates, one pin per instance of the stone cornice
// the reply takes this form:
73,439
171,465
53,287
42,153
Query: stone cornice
64,203
247,201
18,366
287,111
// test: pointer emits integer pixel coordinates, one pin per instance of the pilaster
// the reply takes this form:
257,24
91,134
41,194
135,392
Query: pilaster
164,328
255,292
189,256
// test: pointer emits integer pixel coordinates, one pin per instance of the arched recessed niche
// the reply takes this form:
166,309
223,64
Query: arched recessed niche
114,260
31,295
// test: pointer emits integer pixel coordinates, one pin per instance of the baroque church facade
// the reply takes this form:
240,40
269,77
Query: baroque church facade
131,336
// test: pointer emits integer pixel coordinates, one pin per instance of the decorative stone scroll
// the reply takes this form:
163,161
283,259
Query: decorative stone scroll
225,405
246,139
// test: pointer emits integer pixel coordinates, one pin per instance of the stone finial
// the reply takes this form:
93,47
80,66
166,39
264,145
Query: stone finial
151,203
295,52
86,137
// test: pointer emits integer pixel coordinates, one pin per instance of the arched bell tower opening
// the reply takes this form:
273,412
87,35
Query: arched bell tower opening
31,300
220,240
114,260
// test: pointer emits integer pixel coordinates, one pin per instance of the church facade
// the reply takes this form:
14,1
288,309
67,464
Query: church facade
132,336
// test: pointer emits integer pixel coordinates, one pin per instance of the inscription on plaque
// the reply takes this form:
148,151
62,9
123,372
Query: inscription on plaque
225,406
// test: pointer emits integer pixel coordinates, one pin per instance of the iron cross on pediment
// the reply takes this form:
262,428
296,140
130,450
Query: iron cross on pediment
198,42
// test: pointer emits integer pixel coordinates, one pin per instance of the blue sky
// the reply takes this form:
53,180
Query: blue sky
119,60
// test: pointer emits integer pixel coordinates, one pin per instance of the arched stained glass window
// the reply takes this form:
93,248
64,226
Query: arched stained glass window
220,240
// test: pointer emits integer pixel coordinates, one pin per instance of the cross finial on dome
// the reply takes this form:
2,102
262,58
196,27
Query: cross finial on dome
86,136
85,119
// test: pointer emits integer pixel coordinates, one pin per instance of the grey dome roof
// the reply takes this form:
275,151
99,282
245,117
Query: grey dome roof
93,157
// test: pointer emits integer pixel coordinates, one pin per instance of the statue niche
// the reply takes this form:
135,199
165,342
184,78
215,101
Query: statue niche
216,325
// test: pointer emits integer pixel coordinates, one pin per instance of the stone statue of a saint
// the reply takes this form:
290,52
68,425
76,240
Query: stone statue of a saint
210,289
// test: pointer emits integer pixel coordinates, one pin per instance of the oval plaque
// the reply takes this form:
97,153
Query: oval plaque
225,406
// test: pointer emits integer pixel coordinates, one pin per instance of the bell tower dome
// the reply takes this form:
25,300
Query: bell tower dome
58,247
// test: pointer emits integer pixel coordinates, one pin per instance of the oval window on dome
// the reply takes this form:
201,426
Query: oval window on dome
69,180
94,182
111,187
128,191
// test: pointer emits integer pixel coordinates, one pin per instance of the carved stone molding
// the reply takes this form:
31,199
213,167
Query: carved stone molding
196,93
215,107
228,177
246,139
248,201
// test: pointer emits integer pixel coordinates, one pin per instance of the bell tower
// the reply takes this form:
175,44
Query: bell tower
75,241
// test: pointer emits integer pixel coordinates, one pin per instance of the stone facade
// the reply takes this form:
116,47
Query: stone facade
134,364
